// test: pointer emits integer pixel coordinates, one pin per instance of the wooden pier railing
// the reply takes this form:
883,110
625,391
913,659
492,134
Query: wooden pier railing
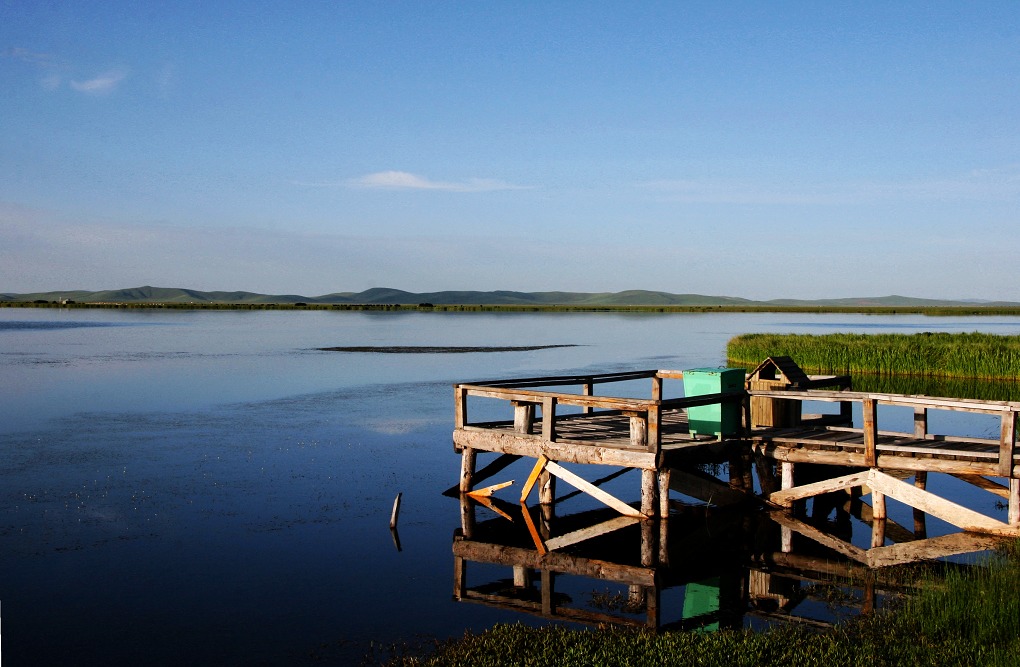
920,451
557,420
541,406
999,456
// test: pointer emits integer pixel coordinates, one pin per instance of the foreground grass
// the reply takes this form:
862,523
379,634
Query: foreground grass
960,355
970,618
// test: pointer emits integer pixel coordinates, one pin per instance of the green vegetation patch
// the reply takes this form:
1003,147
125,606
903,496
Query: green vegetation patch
959,355
967,618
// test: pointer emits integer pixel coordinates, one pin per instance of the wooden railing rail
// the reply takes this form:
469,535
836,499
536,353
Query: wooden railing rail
1008,411
645,413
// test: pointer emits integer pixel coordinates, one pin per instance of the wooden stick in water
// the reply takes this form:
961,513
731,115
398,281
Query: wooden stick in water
396,511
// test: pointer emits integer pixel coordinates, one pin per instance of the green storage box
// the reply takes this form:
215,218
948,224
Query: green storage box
719,419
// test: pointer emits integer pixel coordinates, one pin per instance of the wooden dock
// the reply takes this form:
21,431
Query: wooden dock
560,421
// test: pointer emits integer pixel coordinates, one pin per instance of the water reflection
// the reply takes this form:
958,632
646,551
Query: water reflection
703,568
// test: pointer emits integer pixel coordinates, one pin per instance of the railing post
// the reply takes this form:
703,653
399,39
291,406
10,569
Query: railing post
654,434
1007,443
656,388
524,416
870,433
459,406
639,430
588,390
920,422
549,418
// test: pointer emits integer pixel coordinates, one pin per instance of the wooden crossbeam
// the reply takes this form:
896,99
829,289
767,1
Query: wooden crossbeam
883,485
929,503
584,534
786,497
930,549
489,490
592,490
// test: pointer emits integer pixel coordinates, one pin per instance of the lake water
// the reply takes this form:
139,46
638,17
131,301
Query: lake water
207,487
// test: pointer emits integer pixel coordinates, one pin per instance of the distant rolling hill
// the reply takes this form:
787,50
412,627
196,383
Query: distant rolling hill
383,295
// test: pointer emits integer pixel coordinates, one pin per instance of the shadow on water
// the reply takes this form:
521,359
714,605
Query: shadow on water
703,568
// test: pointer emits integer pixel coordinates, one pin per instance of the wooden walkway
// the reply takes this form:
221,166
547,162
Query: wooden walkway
545,421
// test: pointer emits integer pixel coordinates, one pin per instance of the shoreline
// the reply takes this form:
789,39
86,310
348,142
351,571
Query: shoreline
932,311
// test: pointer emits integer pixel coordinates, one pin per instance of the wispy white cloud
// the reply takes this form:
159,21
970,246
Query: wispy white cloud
104,83
402,180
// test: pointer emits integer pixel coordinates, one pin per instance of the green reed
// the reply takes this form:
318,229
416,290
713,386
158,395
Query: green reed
957,355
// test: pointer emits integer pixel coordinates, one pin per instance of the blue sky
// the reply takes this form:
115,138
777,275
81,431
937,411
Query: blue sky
762,150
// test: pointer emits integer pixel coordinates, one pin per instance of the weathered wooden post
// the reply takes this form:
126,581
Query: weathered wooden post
921,476
878,516
664,475
467,469
524,416
1007,443
468,455
870,427
649,492
786,535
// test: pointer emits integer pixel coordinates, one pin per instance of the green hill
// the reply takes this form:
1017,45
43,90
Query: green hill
386,295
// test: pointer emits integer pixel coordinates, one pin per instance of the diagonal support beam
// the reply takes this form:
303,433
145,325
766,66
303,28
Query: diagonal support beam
592,490
585,534
929,503
887,485
533,477
786,497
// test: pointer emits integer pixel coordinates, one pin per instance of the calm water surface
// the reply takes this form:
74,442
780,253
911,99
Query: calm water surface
207,487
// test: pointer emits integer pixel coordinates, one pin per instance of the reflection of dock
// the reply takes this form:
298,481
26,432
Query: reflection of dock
700,568
770,433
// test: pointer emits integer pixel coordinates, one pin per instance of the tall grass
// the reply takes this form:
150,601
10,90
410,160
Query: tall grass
960,355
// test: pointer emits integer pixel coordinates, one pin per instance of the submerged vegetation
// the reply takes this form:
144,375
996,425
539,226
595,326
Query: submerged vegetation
966,618
959,355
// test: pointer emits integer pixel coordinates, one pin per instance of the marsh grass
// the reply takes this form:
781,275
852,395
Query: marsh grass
959,355
969,617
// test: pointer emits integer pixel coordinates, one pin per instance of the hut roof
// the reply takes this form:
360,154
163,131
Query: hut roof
785,366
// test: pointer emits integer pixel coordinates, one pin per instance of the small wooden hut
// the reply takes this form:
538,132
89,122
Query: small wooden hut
771,374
